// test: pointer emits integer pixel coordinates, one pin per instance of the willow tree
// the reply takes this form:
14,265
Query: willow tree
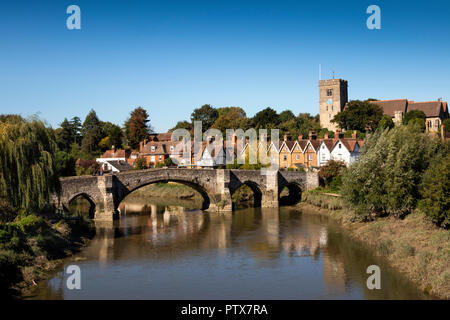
27,168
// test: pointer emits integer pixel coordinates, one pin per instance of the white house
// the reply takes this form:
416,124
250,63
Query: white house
324,152
346,150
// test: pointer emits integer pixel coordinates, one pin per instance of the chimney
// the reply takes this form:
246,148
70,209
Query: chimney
312,135
338,134
141,146
354,134
325,136
113,148
300,136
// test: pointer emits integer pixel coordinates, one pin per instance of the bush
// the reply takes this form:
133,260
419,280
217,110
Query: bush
435,191
331,170
387,177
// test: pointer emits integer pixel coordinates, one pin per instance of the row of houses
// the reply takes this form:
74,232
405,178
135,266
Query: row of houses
300,153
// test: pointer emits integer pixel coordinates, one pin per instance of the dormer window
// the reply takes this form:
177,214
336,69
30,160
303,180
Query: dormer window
153,148
340,146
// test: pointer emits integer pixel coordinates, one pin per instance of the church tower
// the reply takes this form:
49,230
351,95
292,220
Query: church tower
333,95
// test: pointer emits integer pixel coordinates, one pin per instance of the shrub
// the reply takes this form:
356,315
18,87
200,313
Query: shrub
386,180
435,190
331,170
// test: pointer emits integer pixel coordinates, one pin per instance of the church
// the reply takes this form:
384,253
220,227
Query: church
333,97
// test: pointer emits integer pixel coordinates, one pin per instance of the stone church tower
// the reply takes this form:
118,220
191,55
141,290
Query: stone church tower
333,95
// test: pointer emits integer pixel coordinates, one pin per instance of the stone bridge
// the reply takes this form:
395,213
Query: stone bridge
215,185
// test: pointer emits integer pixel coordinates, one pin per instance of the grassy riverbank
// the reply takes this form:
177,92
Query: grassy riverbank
31,246
169,190
413,245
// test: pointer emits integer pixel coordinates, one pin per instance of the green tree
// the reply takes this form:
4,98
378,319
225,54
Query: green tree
286,115
359,115
65,164
183,125
414,114
90,122
137,127
435,191
75,124
235,118
331,170
168,162
92,133
446,124
386,122
113,133
206,114
140,163
65,135
266,119
28,175
387,177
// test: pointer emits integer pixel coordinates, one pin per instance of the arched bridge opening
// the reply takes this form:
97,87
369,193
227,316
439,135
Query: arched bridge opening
248,194
290,194
81,205
205,202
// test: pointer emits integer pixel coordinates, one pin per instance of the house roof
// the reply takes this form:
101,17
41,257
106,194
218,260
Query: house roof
165,136
349,143
329,143
390,106
430,108
160,147
289,144
302,143
120,165
115,153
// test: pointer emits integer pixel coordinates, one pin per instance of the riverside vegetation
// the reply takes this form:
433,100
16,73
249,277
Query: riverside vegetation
33,238
396,200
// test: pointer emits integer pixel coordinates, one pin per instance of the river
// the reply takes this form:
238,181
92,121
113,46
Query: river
170,252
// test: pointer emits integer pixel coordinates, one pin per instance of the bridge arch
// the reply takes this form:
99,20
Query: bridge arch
86,197
294,195
256,189
197,187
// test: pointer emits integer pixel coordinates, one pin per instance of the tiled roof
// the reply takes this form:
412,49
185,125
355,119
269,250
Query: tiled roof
430,108
118,153
329,143
289,145
390,106
165,136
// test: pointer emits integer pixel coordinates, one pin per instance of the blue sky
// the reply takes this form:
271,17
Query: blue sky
173,56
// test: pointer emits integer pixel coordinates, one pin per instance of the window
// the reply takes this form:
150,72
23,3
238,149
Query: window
284,157
160,158
329,116
437,123
153,148
172,148
152,158
323,156
297,157
329,92
332,108
310,157
340,146
327,108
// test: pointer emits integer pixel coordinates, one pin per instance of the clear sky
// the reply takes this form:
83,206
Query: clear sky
173,56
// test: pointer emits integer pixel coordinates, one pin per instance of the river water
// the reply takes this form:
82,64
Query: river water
171,252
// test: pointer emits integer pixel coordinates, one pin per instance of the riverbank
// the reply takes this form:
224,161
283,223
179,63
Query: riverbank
32,246
413,245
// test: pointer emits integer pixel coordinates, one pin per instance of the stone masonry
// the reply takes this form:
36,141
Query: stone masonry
216,186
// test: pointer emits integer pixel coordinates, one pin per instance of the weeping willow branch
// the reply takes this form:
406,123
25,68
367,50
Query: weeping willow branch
27,168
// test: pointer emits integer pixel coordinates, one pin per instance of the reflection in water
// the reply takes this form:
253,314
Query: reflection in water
170,252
